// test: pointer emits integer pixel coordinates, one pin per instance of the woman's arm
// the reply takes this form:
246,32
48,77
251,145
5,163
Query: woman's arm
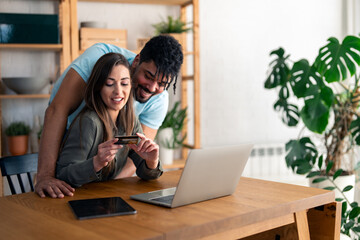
67,99
145,156
130,168
83,154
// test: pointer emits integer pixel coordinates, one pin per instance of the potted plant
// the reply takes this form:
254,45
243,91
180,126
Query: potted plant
169,133
173,27
18,135
327,93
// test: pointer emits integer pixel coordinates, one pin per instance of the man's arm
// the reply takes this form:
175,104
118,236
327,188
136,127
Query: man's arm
149,132
129,168
67,99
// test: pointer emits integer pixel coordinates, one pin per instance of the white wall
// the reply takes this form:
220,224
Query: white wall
137,19
236,37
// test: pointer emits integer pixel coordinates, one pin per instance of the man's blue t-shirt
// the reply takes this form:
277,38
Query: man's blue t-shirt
151,113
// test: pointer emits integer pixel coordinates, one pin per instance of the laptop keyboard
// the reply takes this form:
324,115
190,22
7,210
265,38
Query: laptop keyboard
166,199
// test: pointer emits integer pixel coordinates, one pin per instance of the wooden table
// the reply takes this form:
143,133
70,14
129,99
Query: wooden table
257,210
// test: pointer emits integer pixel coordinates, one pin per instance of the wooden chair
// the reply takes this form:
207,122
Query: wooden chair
16,165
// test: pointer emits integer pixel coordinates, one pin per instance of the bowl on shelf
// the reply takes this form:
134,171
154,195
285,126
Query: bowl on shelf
93,24
26,85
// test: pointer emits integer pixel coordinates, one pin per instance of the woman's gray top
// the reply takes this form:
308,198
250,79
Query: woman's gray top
75,163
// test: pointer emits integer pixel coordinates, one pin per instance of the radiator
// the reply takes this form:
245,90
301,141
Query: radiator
267,161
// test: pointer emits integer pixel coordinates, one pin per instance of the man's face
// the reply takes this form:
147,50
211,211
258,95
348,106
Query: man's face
146,84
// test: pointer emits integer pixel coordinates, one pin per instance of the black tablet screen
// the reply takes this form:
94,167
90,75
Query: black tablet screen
100,207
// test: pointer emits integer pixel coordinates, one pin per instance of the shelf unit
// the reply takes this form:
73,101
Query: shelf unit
195,77
63,48
21,96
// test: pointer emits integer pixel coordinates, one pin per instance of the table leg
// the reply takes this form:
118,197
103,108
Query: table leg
302,225
325,222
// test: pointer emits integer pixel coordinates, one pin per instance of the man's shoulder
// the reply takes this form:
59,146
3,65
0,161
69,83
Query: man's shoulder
154,102
159,98
103,48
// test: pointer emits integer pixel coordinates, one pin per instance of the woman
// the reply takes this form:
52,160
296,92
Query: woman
88,153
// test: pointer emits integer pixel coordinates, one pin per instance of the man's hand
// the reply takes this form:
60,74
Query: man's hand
55,188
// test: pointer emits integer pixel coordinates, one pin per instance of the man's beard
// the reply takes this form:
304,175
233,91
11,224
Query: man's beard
137,94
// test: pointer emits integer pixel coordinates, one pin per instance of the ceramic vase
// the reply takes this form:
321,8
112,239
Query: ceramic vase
166,154
341,182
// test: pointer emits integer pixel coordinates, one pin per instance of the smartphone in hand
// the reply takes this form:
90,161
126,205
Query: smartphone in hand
123,140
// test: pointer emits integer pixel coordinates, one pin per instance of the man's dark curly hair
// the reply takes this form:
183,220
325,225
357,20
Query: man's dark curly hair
167,55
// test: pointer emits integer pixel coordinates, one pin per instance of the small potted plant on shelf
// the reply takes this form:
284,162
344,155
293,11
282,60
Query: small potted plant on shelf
18,136
327,93
168,136
173,27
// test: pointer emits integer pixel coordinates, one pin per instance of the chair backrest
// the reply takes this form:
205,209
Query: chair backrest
16,165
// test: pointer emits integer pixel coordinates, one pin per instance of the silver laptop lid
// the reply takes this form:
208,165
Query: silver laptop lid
211,173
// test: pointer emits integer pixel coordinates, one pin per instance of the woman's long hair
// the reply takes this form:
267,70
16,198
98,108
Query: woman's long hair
94,102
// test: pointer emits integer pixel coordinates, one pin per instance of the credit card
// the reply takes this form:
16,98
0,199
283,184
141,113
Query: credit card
123,140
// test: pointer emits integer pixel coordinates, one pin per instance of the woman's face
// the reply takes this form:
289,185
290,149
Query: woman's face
116,90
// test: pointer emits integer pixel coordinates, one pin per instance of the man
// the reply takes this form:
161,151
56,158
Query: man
152,72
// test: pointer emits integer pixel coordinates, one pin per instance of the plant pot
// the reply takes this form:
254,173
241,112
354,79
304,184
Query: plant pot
18,145
180,37
341,182
166,154
344,237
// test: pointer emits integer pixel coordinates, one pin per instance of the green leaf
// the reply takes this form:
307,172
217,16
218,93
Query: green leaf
347,188
339,199
335,61
284,92
354,204
312,174
329,166
302,166
289,112
349,224
303,77
320,179
175,119
354,212
356,229
320,162
316,111
298,151
17,129
279,70
329,188
170,26
337,173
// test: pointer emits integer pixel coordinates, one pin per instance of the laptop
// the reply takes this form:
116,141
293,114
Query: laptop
208,173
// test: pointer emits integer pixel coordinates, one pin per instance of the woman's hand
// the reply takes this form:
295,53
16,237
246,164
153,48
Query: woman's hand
106,153
148,150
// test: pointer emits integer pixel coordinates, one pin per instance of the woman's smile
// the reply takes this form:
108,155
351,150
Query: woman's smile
116,90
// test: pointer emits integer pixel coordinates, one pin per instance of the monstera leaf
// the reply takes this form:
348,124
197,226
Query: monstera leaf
336,60
280,71
316,111
301,155
289,112
303,76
